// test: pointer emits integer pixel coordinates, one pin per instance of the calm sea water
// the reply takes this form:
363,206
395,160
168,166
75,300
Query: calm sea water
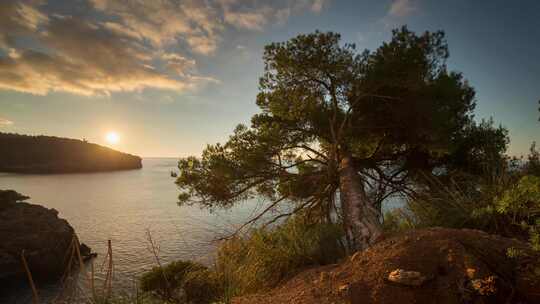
122,207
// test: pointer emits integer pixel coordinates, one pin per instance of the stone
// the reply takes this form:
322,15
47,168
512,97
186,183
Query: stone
44,237
343,288
486,286
409,278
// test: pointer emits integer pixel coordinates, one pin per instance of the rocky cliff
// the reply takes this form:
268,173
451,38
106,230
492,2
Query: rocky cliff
44,237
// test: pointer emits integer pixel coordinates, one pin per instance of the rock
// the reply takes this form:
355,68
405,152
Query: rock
343,289
10,197
43,236
409,278
86,252
484,287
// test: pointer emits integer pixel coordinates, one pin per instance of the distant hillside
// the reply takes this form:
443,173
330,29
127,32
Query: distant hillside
48,154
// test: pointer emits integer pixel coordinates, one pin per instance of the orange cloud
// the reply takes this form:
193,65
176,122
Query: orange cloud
128,48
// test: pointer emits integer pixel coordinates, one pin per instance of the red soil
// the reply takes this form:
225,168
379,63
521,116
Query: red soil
460,266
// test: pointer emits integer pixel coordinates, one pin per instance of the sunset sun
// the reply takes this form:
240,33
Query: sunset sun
112,137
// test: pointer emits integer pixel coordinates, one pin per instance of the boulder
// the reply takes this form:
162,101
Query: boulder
404,277
44,237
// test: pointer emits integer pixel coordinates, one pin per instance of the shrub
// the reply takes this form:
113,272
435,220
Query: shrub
521,203
266,257
504,204
248,264
182,282
397,220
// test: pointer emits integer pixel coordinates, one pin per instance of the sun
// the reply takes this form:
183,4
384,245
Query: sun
112,137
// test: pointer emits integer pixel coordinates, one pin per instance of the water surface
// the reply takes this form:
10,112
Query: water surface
122,207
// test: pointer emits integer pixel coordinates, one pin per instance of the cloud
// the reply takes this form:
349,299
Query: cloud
178,64
122,30
398,11
247,15
18,19
402,8
198,23
165,22
87,60
123,45
317,6
247,20
5,122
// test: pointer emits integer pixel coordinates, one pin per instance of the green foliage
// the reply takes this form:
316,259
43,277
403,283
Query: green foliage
398,220
521,203
463,201
505,203
480,149
266,257
244,265
532,167
182,282
322,101
514,253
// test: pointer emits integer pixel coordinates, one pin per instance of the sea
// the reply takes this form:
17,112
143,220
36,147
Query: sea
137,211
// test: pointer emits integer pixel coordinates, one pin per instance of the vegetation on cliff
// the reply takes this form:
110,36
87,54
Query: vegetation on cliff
452,266
258,261
338,135
47,154
503,200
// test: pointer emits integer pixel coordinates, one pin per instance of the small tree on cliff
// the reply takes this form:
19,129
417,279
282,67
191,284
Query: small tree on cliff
336,122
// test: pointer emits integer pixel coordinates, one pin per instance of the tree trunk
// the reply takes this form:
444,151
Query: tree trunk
361,218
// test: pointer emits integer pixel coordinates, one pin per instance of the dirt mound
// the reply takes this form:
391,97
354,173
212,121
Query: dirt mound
433,266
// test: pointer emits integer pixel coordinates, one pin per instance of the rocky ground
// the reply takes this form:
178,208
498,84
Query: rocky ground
44,237
424,266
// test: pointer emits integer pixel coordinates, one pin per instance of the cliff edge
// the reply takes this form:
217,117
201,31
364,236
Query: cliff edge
423,266
44,237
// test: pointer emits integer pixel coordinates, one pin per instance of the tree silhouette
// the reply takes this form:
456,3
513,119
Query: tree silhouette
333,121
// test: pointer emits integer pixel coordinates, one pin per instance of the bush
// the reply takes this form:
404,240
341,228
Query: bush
398,220
266,257
182,282
505,204
521,203
245,265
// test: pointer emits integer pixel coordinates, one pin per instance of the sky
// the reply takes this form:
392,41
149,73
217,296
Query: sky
169,77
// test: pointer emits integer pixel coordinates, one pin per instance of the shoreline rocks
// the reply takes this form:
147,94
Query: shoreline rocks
44,237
